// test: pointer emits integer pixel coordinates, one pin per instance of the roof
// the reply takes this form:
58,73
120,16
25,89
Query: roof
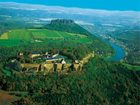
55,58
35,53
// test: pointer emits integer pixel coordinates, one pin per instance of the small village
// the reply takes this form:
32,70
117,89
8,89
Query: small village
47,62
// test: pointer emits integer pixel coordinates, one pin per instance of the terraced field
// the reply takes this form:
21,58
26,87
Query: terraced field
16,37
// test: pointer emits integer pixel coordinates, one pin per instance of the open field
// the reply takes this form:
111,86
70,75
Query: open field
15,37
19,35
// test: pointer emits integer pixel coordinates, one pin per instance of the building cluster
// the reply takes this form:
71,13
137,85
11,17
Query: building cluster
46,57
49,63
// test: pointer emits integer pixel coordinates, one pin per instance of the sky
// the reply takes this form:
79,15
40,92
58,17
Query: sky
123,5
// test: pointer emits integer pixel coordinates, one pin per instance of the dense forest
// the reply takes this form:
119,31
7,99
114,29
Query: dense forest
101,83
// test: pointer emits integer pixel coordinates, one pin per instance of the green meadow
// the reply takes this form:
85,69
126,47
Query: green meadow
17,37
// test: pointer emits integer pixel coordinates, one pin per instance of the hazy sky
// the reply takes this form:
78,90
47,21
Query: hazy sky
95,4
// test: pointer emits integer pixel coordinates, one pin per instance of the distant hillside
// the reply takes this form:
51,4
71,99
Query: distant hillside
66,26
131,39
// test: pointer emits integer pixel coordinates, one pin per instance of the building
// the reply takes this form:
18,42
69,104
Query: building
34,54
20,55
50,60
55,55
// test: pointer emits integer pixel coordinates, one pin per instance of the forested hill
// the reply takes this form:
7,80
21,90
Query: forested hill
66,26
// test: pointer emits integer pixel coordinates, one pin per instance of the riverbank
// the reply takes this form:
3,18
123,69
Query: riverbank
120,52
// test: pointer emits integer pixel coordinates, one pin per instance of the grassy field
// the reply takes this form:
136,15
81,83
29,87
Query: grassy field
19,35
16,37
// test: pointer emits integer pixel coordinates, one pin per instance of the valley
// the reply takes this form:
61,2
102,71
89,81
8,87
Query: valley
124,40
53,55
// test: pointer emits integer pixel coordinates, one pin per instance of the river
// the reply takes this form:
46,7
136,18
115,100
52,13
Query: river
119,52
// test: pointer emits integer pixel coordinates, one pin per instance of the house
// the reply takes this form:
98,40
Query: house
20,55
54,59
34,54
46,53
13,60
55,55
76,61
63,61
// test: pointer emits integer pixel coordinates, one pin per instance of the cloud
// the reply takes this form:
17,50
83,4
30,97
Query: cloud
66,10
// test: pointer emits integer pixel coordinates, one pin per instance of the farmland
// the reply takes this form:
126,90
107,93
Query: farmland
17,37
